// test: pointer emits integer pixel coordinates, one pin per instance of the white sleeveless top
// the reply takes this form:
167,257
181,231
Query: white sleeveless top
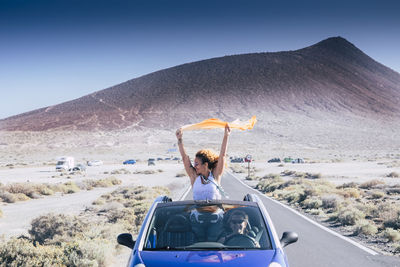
207,191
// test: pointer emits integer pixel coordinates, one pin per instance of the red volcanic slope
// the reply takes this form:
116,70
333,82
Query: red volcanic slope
330,77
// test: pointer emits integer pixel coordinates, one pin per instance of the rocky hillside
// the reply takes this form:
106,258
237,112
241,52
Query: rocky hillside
331,79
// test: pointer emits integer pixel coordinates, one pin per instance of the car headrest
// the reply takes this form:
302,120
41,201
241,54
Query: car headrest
177,223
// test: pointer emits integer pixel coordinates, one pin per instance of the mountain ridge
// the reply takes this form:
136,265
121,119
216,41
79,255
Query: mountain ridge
331,77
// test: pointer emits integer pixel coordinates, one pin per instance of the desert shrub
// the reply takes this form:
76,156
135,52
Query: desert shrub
393,220
312,203
145,172
8,197
331,201
107,182
22,252
347,185
22,188
365,227
391,234
96,252
313,175
393,175
44,190
315,211
69,188
371,184
272,176
121,171
396,248
393,190
377,194
238,169
1,213
46,227
350,193
269,185
98,202
288,173
350,216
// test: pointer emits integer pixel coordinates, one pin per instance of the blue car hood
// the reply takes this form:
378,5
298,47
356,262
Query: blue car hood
207,258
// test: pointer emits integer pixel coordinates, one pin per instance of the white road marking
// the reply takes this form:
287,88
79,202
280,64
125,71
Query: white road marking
185,194
370,251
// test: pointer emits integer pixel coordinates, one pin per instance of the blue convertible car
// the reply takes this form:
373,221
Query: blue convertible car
208,233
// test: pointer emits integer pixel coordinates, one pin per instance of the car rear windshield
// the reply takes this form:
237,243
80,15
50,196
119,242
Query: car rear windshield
207,227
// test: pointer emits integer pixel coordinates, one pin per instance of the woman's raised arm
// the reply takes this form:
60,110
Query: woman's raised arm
219,169
185,158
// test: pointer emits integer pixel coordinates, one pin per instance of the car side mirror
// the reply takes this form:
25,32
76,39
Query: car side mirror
126,239
288,238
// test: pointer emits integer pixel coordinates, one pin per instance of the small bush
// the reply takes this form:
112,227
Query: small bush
350,193
347,185
365,227
391,235
313,175
1,214
312,203
393,175
371,184
392,220
21,252
8,197
69,188
377,194
46,227
121,171
350,216
331,202
396,248
288,173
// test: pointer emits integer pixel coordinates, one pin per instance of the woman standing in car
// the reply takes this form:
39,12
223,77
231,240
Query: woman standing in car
205,175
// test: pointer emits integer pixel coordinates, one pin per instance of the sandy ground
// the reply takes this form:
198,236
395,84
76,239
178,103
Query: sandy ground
17,216
335,172
31,157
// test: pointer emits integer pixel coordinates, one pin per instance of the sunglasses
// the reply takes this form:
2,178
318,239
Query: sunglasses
237,221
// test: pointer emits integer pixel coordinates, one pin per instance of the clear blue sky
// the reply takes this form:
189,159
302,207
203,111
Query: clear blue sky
52,51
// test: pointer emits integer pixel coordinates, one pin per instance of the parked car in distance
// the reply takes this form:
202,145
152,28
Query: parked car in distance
151,161
237,160
287,160
65,163
298,160
95,163
129,161
79,167
199,233
274,160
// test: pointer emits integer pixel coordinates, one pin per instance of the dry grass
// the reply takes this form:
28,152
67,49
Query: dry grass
15,192
64,240
358,206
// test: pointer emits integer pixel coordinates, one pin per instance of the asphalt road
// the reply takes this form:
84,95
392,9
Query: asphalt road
317,246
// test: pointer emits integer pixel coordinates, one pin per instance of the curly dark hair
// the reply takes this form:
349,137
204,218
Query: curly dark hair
209,156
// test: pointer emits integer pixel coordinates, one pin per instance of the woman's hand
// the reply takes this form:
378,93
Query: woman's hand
179,134
227,129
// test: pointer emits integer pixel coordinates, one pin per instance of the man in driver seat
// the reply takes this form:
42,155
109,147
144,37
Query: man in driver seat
237,224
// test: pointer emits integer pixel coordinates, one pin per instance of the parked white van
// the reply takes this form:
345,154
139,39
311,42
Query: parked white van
65,164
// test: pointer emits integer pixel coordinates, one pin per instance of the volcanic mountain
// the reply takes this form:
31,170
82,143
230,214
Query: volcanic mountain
331,79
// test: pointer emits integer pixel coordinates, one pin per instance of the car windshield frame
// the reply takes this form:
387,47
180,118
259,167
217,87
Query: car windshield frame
194,217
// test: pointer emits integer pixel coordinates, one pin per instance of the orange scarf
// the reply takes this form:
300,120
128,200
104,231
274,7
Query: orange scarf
216,123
